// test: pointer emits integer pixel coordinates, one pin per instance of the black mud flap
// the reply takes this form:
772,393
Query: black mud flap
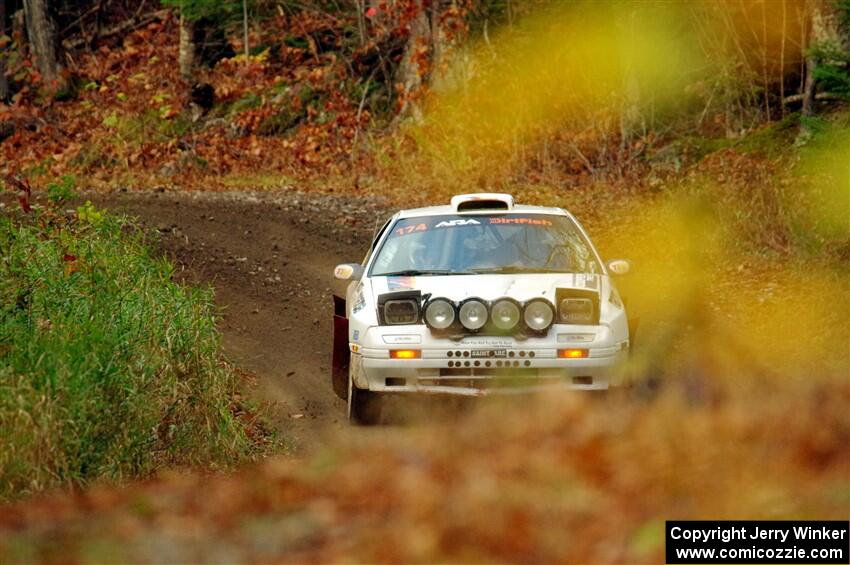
341,353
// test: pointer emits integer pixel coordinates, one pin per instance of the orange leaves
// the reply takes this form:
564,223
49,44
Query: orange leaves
422,57
237,77
250,120
292,108
71,264
581,481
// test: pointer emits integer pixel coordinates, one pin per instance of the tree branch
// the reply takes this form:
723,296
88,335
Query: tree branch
123,27
819,96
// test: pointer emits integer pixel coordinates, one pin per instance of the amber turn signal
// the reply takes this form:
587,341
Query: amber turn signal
405,353
572,353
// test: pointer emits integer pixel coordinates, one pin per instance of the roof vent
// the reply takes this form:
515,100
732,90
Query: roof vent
482,201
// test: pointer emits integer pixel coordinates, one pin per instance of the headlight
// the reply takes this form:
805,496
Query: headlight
397,312
473,314
576,311
439,314
539,315
505,314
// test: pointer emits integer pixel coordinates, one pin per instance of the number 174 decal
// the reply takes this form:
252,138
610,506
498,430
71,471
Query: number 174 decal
411,228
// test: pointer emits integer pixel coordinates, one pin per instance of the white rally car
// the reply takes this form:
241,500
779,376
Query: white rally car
477,297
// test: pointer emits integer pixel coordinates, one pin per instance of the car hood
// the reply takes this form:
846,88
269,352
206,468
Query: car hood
488,287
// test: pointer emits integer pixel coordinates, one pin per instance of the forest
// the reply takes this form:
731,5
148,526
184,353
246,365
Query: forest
178,179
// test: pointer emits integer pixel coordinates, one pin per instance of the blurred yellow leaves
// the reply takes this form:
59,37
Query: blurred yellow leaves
575,75
824,193
703,306
567,69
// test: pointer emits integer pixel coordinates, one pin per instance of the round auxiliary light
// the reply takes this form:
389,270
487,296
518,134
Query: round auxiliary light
473,314
538,315
505,314
439,314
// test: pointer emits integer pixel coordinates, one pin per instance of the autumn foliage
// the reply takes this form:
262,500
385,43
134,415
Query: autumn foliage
690,161
132,126
582,481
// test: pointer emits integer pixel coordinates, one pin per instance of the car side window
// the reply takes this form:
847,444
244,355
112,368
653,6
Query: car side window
375,241
380,233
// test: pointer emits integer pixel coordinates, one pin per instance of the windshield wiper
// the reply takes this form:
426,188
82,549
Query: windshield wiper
422,273
509,270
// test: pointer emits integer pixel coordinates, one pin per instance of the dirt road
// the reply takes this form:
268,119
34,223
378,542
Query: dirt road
270,258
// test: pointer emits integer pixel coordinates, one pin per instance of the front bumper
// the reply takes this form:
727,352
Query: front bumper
478,366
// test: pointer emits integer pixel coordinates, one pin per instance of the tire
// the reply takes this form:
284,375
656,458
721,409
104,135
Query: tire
364,407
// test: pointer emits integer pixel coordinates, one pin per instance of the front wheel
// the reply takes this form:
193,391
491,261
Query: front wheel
364,406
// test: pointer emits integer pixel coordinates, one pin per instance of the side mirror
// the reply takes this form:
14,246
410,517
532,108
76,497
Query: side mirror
348,271
619,266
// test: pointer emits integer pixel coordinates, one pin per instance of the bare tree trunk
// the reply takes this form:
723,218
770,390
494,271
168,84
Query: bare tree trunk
361,20
245,26
764,61
824,28
4,82
437,38
782,60
186,56
816,33
809,87
632,121
409,75
43,41
631,118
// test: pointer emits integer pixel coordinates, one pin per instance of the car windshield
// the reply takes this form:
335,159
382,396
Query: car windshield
475,244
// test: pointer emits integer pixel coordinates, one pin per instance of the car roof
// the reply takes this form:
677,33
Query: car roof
449,210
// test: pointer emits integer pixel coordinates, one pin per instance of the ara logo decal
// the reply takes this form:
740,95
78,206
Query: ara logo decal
356,335
461,222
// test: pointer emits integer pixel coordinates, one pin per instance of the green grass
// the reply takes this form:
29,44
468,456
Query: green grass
148,126
770,140
108,369
259,180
